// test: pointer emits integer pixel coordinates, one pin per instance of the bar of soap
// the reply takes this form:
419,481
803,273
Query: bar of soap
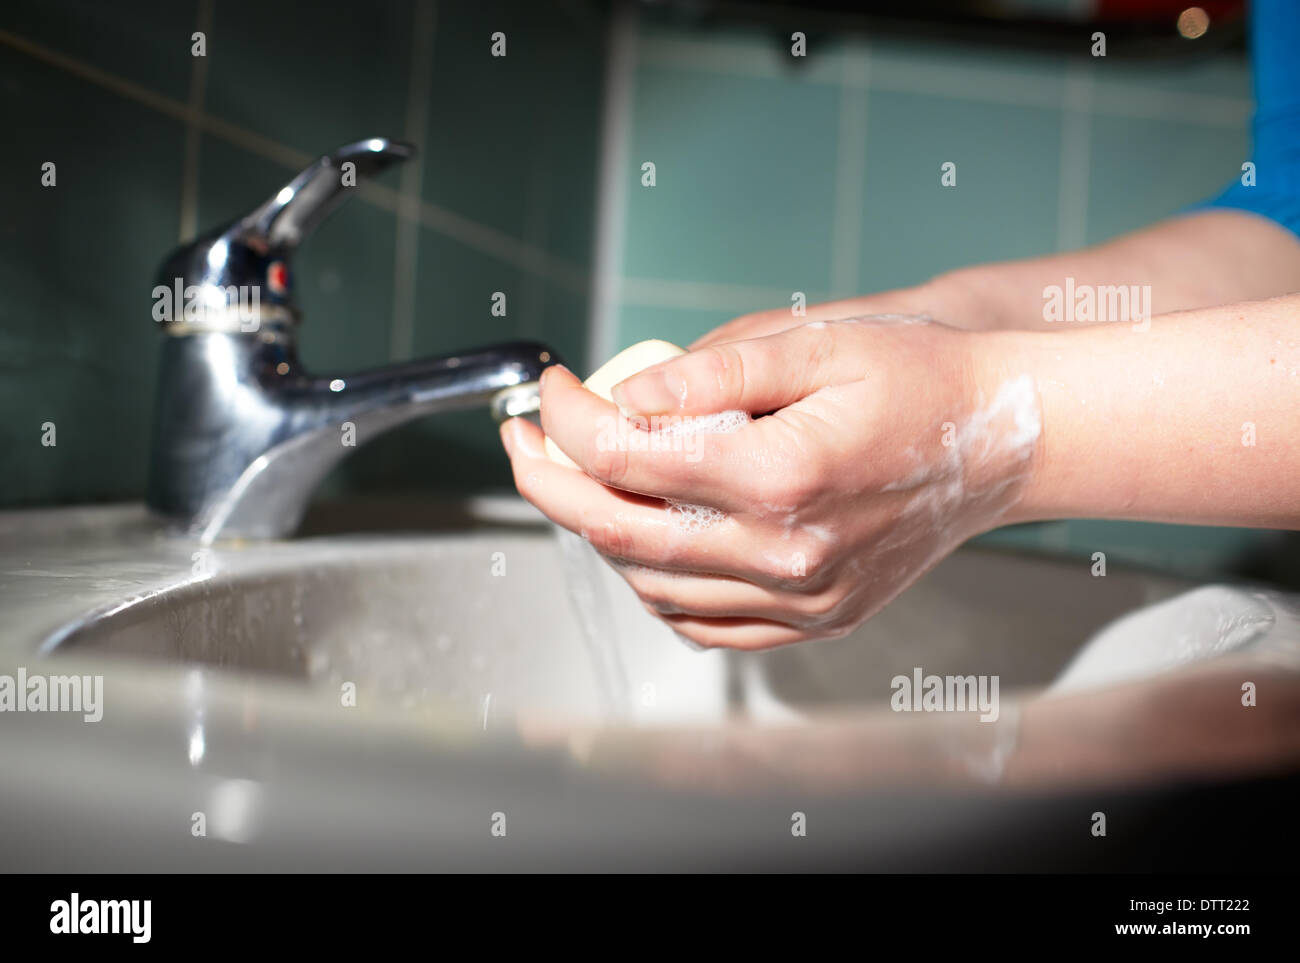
623,365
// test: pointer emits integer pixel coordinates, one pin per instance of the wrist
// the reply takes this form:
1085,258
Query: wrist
963,298
1009,420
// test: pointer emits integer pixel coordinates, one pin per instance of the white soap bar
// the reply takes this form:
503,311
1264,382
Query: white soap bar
623,365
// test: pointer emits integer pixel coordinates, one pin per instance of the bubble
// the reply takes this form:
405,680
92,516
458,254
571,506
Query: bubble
693,519
720,423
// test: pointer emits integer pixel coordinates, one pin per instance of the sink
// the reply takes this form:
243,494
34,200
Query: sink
481,620
359,695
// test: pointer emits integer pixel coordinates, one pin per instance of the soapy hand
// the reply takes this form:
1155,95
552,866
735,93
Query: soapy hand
876,448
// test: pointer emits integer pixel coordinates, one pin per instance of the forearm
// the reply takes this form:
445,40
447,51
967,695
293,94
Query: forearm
1198,260
1194,420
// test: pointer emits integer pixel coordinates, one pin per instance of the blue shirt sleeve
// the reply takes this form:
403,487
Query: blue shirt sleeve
1275,53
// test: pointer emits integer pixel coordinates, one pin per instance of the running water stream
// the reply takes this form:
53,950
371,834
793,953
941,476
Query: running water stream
589,593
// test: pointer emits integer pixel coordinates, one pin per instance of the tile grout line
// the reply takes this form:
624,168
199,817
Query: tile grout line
1076,146
850,170
981,85
464,230
401,335
189,200
613,173
704,295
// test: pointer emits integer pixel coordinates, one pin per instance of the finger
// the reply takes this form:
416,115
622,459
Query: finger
762,323
746,634
625,525
747,326
757,375
712,596
681,463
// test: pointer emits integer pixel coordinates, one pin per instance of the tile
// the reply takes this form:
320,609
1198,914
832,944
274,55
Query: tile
564,325
736,50
1003,205
679,325
513,140
745,171
455,451
1143,170
146,42
77,344
967,71
312,79
1226,75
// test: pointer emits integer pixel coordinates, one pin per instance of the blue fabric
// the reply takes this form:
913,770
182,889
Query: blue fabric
1275,55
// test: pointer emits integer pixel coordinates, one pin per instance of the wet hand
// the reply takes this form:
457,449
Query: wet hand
875,449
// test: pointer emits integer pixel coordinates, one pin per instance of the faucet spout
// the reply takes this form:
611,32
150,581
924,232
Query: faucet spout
243,436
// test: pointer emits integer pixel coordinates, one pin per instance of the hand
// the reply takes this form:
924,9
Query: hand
933,299
877,450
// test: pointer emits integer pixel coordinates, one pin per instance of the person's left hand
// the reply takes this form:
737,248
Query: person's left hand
876,449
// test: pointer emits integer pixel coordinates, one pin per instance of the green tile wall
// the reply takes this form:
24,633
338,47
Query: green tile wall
507,162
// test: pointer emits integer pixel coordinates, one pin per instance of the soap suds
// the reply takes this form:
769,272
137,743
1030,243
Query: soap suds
999,437
666,433
693,519
721,423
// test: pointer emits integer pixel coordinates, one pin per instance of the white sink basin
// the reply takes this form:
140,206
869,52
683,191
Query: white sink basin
362,699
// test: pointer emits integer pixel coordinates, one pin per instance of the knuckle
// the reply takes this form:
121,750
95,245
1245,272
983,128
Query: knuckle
611,539
815,556
822,607
527,482
722,370
782,568
797,483
609,464
771,490
806,478
654,597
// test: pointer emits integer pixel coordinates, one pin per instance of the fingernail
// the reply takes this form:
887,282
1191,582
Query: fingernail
508,436
547,373
648,393
523,442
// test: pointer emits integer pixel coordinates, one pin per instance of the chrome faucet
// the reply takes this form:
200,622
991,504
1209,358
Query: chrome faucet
242,434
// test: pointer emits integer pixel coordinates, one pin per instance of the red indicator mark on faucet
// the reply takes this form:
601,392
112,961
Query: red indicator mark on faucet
277,277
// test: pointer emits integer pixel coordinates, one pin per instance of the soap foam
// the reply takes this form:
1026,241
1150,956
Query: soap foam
1005,431
680,432
693,519
721,423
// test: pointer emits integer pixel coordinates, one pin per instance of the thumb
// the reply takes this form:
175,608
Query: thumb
757,375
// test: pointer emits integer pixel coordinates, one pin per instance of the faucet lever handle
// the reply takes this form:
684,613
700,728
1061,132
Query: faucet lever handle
299,207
